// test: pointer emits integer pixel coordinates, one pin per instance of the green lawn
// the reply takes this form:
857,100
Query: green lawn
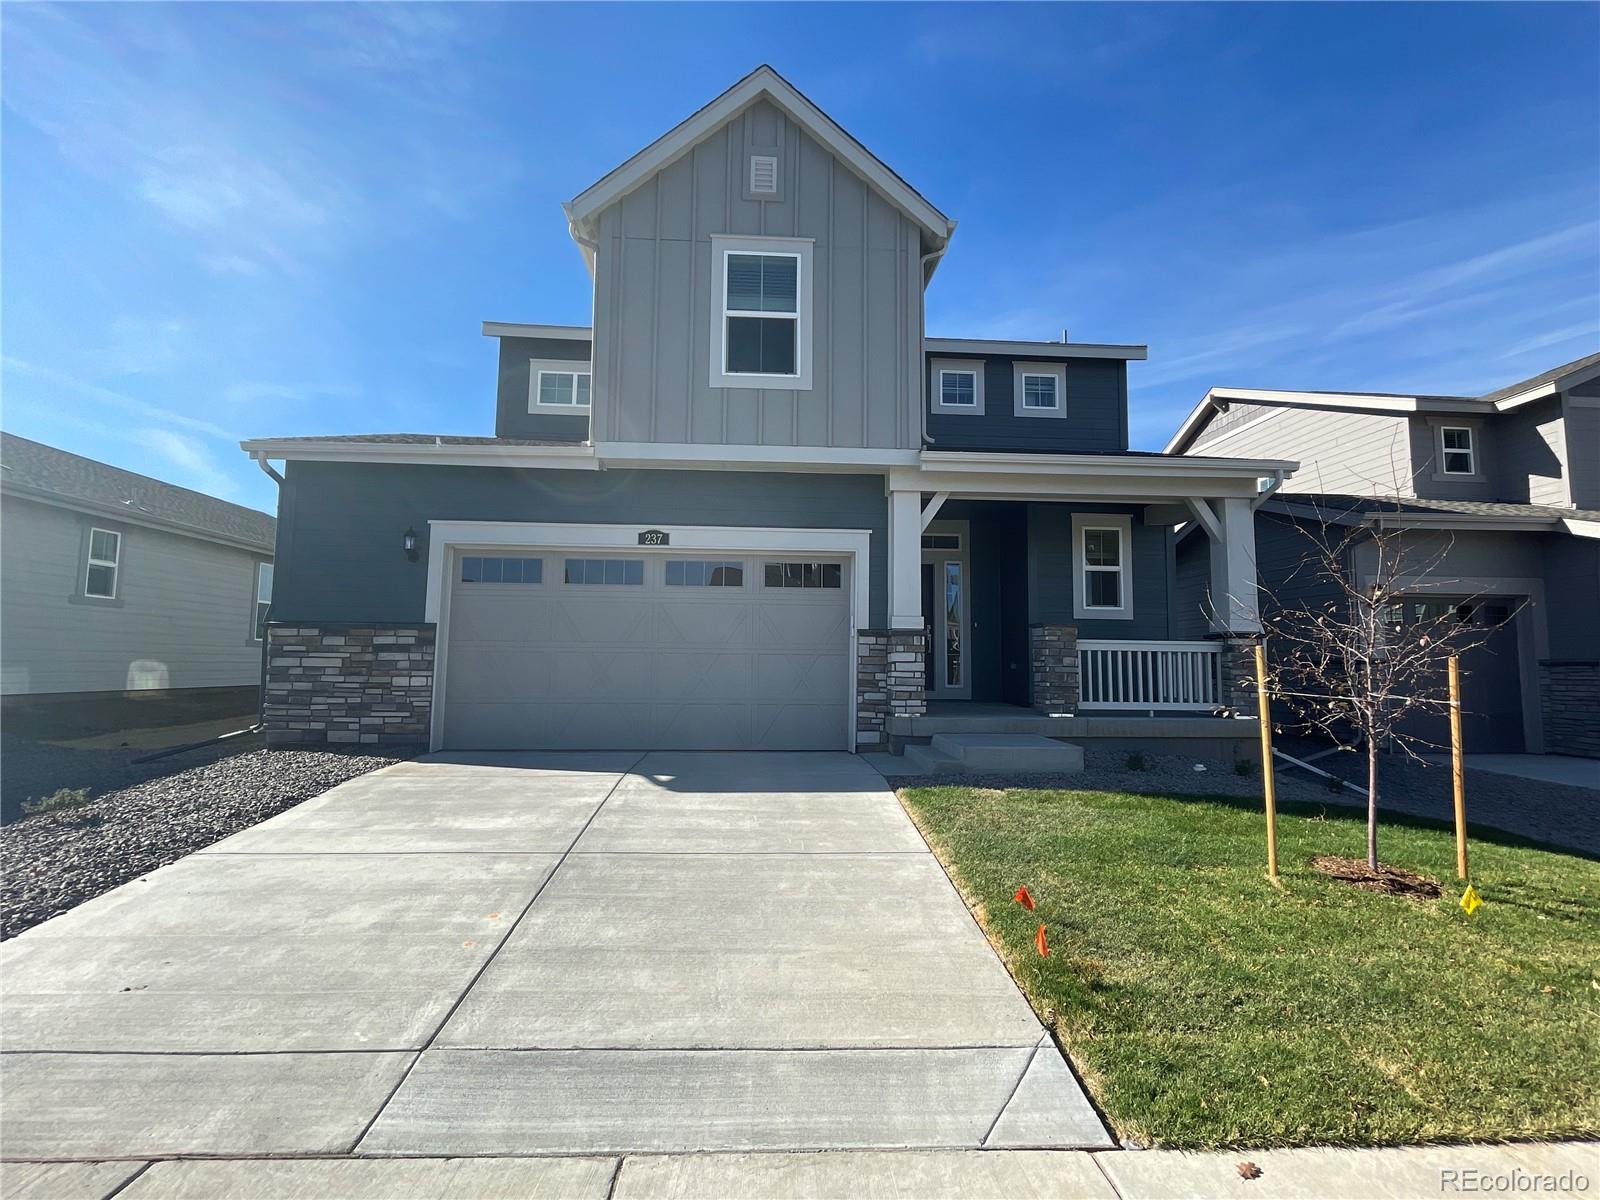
1206,1007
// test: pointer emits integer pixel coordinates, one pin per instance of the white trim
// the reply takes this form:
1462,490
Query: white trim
761,83
114,562
538,368
577,457
1581,528
1033,350
957,366
800,249
256,601
563,333
940,560
1022,372
1354,401
1474,473
1122,525
1264,414
760,163
445,537
1126,464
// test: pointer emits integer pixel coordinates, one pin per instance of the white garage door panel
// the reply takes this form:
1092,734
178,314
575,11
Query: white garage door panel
557,666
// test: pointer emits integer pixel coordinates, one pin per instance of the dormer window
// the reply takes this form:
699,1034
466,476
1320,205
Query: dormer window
1041,390
763,339
559,387
958,387
1457,454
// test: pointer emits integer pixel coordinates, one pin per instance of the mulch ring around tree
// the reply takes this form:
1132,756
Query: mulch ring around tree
1391,881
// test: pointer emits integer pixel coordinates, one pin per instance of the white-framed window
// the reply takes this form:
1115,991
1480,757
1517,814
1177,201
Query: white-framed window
1102,548
1458,455
762,337
802,575
263,599
958,387
477,568
608,572
704,572
1041,390
558,387
100,572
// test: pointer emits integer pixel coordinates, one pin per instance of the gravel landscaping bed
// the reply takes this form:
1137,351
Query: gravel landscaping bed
55,861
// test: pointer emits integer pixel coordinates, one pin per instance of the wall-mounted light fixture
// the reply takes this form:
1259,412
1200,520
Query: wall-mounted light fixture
411,544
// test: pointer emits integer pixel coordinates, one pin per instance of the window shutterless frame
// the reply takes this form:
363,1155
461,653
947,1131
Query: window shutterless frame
1034,383
559,387
102,568
957,387
1458,451
725,248
263,600
1098,558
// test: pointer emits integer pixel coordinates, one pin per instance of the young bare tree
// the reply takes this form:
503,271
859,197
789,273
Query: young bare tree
1358,642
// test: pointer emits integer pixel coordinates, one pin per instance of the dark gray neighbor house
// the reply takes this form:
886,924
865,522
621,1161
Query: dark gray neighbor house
119,587
1498,493
754,506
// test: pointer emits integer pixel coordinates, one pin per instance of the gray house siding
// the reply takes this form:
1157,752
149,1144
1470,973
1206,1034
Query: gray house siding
1053,582
656,297
339,524
1572,596
1583,445
1357,453
512,418
1529,455
1096,411
183,616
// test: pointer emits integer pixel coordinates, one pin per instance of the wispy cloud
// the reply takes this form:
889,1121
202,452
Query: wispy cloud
114,399
193,462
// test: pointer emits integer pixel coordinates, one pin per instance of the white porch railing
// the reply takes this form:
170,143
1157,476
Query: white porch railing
1149,675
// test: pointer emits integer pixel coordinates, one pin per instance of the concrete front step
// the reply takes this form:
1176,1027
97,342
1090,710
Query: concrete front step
992,753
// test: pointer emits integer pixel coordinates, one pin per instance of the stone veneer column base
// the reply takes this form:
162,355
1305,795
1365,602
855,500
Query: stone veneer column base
890,682
1238,688
1053,667
1569,695
333,684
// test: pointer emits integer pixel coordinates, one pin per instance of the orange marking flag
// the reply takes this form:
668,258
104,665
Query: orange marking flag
1024,898
1040,944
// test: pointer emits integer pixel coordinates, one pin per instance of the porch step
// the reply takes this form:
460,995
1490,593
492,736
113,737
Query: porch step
993,754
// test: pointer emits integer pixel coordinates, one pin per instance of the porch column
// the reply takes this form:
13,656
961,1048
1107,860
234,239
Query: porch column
905,560
1234,606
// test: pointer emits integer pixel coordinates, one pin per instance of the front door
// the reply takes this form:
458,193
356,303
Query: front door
946,609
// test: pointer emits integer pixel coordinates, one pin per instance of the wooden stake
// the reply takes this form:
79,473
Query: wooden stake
1457,774
1264,711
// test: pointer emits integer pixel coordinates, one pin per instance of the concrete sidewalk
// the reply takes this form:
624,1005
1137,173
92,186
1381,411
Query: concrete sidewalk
536,954
1562,1169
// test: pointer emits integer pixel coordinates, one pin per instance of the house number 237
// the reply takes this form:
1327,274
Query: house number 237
653,537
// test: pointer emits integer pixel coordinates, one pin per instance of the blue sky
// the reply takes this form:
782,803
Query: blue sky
227,221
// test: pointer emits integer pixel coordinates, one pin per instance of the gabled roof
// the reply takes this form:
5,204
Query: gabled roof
1411,511
32,469
1547,383
762,83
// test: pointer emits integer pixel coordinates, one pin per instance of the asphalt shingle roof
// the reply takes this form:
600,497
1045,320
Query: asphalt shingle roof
32,466
1552,374
425,439
1338,504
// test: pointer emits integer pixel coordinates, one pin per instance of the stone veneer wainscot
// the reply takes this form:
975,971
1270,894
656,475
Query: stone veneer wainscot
889,682
349,684
1570,694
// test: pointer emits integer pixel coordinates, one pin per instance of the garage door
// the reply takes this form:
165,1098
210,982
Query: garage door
567,650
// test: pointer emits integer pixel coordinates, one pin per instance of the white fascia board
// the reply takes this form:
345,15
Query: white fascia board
1186,467
767,83
752,458
567,333
1041,484
566,458
1580,528
1179,442
132,516
1034,350
1219,397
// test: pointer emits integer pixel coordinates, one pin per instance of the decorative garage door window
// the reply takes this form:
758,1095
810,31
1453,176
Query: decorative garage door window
802,575
502,570
694,572
610,571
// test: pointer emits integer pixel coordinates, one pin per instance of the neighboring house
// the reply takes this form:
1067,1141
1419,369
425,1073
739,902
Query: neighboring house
732,513
1502,492
115,583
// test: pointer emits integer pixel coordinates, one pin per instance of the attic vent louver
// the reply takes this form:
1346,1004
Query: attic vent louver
763,175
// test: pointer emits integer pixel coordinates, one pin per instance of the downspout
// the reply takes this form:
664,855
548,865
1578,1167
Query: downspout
261,685
922,357
593,248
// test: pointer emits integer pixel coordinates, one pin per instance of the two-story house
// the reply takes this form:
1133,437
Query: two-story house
1498,496
753,506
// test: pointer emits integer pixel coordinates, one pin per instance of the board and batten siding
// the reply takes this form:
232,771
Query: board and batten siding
657,294
182,618
1361,454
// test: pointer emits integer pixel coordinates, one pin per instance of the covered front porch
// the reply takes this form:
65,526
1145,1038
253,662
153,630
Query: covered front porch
1039,594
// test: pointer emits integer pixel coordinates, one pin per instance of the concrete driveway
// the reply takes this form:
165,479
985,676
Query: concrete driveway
535,954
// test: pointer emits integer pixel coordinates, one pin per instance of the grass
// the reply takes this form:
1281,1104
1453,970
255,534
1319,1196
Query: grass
60,800
1206,1007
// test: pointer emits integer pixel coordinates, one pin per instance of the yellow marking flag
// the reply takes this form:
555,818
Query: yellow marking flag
1470,900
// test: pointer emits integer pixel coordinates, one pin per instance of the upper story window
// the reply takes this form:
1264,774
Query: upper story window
958,387
105,556
263,598
763,337
1041,391
561,387
1457,453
